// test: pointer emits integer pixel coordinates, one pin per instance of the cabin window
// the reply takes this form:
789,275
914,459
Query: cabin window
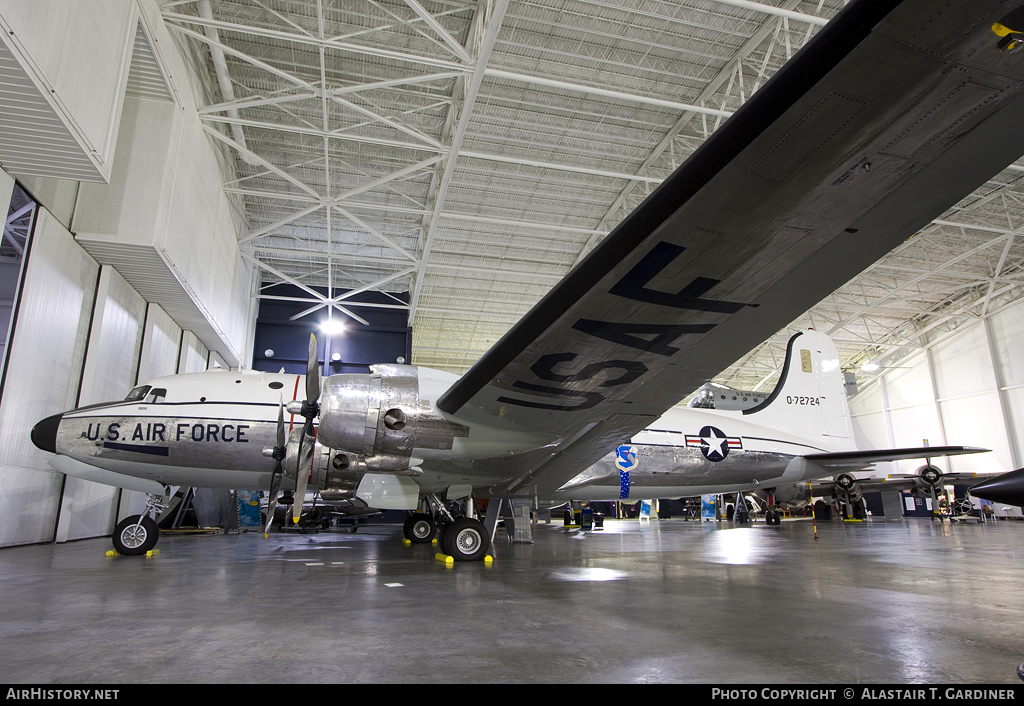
156,395
137,394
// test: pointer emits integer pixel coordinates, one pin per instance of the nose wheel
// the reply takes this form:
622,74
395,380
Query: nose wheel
135,535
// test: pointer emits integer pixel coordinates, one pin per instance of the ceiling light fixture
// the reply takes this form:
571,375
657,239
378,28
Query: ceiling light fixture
332,327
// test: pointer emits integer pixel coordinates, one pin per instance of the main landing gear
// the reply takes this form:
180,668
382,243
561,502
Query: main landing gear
420,528
466,540
138,534
462,538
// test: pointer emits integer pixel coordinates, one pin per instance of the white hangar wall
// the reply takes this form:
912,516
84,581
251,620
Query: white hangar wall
96,83
43,371
164,220
74,103
967,388
152,281
81,335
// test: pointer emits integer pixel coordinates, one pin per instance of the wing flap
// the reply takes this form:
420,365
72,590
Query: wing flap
579,455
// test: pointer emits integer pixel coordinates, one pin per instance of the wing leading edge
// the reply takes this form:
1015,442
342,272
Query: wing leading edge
880,123
862,459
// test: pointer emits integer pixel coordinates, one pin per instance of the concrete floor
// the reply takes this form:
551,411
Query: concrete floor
658,601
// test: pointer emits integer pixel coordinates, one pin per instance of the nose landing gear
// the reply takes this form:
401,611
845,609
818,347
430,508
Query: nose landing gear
138,534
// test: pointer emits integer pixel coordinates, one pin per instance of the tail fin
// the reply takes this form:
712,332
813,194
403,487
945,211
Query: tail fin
810,397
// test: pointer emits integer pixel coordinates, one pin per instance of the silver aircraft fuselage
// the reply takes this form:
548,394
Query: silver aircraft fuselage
209,430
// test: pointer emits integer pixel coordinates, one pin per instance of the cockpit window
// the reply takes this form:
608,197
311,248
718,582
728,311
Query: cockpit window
704,399
137,394
156,395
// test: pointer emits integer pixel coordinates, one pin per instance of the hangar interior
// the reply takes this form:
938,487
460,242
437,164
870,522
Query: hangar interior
425,171
452,161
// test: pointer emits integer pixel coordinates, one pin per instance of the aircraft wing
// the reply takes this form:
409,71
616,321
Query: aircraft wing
823,486
893,112
853,460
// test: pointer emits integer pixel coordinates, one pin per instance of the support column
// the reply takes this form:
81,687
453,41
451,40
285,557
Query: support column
1016,455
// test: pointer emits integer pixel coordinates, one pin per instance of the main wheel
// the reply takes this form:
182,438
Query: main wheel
133,538
420,528
466,540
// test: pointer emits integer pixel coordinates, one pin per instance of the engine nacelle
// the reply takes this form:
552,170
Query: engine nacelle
379,418
335,471
845,485
927,480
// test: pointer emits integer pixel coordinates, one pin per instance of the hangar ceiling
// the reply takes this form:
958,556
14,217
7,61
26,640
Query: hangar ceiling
471,152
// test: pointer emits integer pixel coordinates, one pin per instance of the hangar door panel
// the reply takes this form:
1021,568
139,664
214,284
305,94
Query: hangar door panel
89,509
45,356
962,365
1007,329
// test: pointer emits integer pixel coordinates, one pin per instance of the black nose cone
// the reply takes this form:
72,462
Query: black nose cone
44,433
1007,488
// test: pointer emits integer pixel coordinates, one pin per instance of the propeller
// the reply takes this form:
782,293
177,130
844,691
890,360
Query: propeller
277,453
309,408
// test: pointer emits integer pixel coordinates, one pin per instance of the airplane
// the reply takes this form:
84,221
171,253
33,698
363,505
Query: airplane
888,116
800,432
711,395
1007,488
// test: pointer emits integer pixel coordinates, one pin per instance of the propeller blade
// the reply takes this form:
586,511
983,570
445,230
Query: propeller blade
305,461
275,487
300,496
275,479
280,425
312,373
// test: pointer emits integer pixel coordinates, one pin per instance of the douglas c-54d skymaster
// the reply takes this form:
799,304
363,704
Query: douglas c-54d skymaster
802,431
892,113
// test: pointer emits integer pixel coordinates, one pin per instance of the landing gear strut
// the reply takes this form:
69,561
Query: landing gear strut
462,538
138,534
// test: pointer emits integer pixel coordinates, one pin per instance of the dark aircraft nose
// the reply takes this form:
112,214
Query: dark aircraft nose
44,433
1007,488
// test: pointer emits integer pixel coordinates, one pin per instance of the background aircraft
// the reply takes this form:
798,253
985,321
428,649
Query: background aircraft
801,431
1007,488
875,127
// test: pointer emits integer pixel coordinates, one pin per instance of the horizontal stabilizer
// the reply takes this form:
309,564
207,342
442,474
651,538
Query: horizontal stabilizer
855,459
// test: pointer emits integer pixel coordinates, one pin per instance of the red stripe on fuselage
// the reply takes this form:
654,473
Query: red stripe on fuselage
295,393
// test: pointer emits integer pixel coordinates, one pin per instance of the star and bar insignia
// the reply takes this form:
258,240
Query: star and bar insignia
713,443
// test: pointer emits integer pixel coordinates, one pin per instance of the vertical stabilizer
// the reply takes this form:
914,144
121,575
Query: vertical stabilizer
810,397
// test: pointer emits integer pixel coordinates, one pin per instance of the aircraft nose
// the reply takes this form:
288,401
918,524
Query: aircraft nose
44,433
1007,488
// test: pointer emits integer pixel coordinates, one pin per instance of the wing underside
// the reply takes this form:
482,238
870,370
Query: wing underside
824,487
848,460
889,115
